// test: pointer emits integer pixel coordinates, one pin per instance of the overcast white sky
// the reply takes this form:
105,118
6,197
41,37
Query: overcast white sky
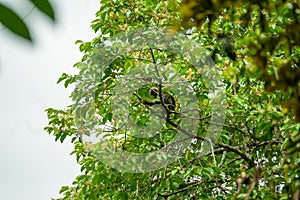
32,165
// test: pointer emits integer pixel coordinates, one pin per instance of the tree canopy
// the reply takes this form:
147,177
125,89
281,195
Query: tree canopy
186,100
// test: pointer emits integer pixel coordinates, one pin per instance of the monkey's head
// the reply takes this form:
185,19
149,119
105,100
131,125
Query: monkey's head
154,92
168,99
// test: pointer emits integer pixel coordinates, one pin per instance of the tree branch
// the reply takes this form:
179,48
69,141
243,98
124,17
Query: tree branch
181,190
239,152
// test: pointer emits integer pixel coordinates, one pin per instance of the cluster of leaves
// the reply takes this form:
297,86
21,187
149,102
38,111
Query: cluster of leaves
257,154
272,41
12,21
266,39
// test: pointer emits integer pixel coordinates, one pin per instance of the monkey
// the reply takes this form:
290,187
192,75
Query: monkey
168,99
168,103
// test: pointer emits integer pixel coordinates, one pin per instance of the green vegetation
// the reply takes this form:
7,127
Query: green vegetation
255,46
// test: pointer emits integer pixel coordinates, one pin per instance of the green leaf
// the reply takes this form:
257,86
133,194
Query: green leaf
13,22
63,189
63,137
63,77
45,7
69,81
78,42
121,196
242,196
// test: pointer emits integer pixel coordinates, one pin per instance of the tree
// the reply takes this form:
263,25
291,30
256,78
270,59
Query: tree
252,153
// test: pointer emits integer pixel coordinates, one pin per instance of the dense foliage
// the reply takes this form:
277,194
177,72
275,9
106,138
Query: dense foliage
256,49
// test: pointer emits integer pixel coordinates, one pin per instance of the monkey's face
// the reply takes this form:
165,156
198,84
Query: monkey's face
167,98
154,93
